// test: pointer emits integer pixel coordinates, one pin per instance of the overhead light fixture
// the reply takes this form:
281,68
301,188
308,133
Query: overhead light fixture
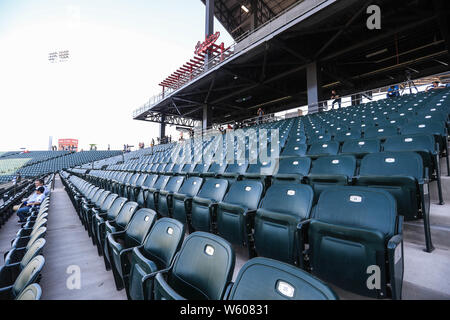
376,53
245,9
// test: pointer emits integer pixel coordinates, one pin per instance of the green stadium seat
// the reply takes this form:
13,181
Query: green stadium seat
202,270
122,243
157,253
402,175
267,279
354,231
234,211
165,196
283,207
204,203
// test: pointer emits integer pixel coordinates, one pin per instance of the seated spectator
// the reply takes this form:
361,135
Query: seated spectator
434,86
393,92
40,183
34,200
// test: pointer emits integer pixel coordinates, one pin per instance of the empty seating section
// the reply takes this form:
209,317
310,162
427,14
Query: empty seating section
36,163
315,199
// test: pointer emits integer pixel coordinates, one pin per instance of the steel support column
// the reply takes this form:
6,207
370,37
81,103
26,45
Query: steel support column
207,116
313,86
209,26
162,127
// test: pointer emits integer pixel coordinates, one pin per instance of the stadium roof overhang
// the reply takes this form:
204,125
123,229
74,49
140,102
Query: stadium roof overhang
270,72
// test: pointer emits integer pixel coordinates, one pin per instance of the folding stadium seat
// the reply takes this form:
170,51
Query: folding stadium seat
402,175
201,271
141,191
118,224
331,171
234,171
187,169
294,150
31,292
319,138
423,145
28,275
182,200
202,208
17,259
151,193
87,206
133,189
347,135
235,210
436,128
292,170
215,169
20,242
261,171
99,219
354,231
165,196
176,168
199,169
267,279
156,254
380,132
128,185
100,207
121,243
26,232
326,148
359,148
283,207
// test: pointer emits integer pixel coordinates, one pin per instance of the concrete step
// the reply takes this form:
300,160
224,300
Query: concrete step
413,232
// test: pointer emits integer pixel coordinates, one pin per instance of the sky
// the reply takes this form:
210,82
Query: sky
119,50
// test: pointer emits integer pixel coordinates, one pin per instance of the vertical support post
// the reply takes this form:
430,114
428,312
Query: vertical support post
209,27
313,87
254,15
162,127
207,116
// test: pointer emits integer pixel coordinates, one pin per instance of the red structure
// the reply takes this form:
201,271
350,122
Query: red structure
196,65
68,144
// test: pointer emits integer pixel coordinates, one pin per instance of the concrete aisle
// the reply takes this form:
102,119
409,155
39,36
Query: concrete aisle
68,244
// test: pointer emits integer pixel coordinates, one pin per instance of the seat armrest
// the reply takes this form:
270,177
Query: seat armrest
396,265
302,230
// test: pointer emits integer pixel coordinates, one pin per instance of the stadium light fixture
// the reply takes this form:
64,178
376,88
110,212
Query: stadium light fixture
245,9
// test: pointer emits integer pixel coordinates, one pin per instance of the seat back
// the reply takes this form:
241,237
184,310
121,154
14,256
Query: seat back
174,184
213,189
34,250
203,268
381,132
291,167
361,146
126,213
349,233
191,186
324,148
39,233
334,165
28,275
422,142
267,279
405,163
163,241
282,208
140,224
107,203
115,208
31,292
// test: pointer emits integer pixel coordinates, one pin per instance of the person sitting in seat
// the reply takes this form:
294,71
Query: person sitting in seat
40,183
34,200
434,86
393,92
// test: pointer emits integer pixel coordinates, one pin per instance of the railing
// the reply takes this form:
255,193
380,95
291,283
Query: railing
213,63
